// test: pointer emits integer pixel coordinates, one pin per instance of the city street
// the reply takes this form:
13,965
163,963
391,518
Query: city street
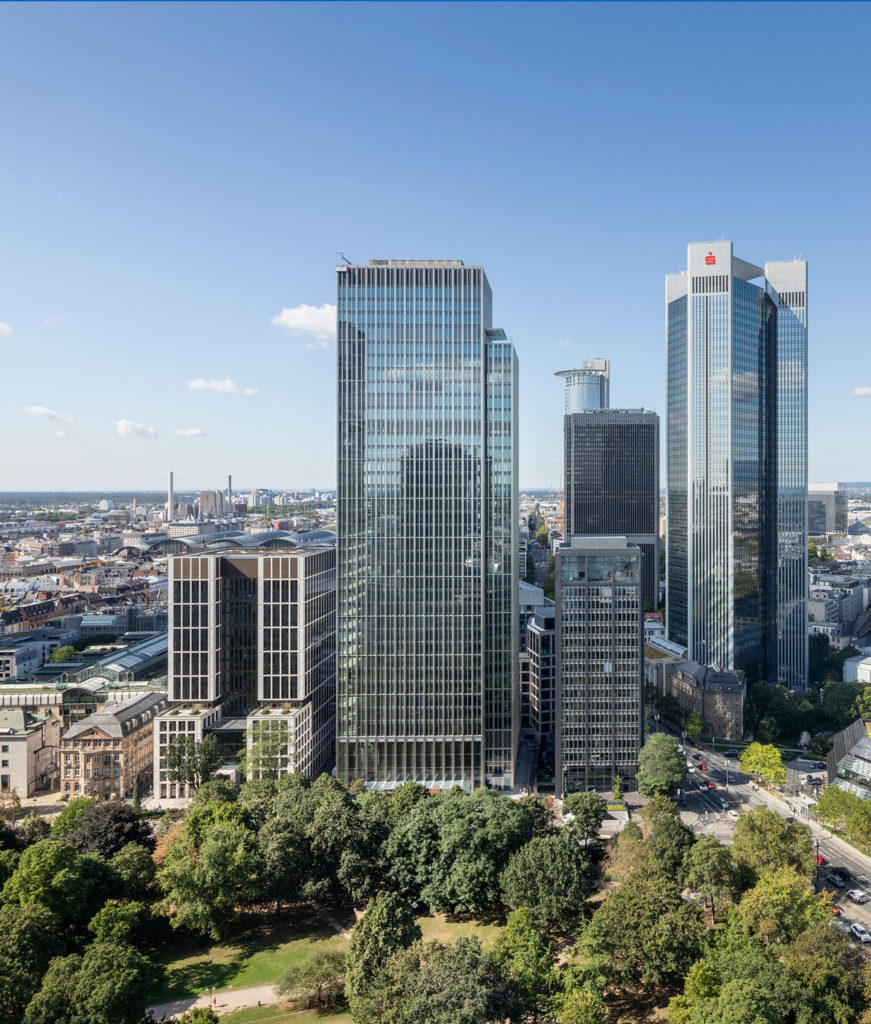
705,815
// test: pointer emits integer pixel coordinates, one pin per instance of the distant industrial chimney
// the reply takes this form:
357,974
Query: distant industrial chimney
170,501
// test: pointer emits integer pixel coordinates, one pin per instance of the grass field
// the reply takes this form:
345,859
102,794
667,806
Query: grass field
278,1015
259,956
256,957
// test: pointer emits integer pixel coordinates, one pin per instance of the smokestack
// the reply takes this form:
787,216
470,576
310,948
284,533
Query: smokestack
170,501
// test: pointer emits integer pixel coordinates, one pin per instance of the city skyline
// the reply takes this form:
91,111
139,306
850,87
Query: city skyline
168,248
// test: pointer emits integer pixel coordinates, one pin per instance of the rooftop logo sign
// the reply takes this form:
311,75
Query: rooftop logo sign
710,259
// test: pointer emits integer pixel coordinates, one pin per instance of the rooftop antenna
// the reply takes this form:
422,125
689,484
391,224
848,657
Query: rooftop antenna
342,256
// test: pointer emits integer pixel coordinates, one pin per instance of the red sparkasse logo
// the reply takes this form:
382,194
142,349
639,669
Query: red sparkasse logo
710,259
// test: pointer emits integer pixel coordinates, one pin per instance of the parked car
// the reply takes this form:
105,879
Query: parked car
836,880
857,896
730,753
817,765
860,931
836,910
842,874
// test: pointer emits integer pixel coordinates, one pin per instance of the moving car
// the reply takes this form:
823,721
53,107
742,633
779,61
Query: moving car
857,896
703,767
709,785
820,859
734,815
730,753
841,874
697,757
835,880
860,931
724,803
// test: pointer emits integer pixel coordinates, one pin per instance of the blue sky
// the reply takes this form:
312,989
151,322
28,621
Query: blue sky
172,177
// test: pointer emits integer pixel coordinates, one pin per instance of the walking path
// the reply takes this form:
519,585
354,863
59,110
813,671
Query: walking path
224,1001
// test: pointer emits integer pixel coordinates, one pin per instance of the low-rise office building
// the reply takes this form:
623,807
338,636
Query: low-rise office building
541,648
102,755
28,751
717,695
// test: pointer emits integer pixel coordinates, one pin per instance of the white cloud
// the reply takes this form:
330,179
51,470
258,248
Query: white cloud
59,318
5,328
127,428
317,321
190,432
48,414
858,392
61,434
564,343
226,386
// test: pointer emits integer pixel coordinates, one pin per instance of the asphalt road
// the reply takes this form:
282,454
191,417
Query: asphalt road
702,812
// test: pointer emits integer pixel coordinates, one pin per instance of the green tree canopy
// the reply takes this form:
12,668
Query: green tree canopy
524,956
764,841
837,700
668,844
644,933
662,767
54,875
580,1007
711,872
131,871
588,811
65,653
451,849
387,927
552,877
29,938
107,827
780,907
541,535
316,983
66,820
764,761
431,983
108,985
834,806
116,923
191,762
695,725
204,886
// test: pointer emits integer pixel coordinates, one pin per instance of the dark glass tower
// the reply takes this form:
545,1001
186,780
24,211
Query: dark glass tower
612,482
737,463
427,528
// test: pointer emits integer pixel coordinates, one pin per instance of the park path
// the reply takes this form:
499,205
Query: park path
225,1001
228,999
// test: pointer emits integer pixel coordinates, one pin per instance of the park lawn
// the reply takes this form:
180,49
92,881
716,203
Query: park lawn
281,1015
440,927
258,956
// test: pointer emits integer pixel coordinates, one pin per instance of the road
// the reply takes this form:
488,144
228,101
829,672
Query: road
705,815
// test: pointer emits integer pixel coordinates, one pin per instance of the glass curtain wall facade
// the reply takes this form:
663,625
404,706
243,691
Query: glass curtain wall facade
589,388
427,528
599,663
737,463
611,473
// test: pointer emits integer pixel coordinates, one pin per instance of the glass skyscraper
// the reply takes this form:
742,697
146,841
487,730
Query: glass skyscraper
427,528
737,463
589,388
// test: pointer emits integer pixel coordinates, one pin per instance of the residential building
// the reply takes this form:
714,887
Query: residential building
717,695
737,463
611,461
251,641
102,755
599,678
541,648
587,389
858,669
826,509
427,516
28,751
